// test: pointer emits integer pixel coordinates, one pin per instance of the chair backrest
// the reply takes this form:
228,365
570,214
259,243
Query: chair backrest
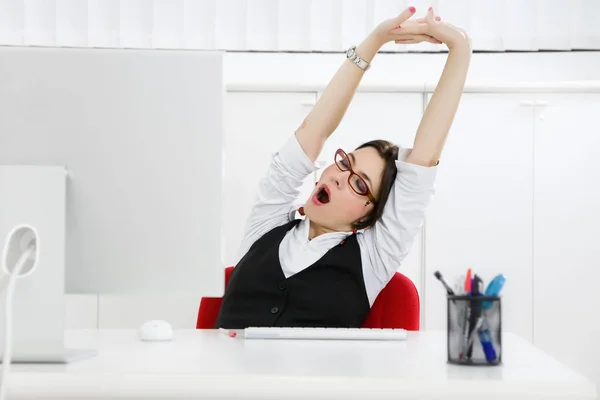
210,306
396,306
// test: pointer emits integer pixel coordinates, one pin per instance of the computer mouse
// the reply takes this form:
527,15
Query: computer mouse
156,331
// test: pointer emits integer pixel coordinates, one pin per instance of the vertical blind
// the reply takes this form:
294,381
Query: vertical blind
291,25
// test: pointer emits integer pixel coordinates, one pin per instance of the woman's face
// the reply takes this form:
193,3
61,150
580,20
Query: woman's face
336,204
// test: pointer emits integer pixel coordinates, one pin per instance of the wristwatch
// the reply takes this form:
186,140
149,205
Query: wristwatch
352,56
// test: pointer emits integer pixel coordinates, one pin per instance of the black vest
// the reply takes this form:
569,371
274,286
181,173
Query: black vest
329,293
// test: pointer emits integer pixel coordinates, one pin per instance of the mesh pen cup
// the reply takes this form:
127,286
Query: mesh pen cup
474,330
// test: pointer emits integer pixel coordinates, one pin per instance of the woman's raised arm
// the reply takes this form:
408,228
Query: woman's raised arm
439,114
327,114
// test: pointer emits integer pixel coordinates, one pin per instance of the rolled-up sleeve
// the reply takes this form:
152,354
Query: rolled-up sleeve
277,192
386,244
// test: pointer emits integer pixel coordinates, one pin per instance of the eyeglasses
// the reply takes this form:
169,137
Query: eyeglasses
357,183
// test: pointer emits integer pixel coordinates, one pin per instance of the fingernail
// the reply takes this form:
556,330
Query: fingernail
412,9
430,8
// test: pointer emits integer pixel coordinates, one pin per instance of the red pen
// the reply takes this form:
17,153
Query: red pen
468,281
466,327
228,332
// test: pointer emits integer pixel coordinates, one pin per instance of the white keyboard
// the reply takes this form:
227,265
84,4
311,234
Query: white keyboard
325,333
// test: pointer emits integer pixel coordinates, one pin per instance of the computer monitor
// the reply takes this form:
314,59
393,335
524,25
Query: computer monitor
139,133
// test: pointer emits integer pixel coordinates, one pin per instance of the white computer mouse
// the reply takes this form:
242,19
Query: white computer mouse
155,331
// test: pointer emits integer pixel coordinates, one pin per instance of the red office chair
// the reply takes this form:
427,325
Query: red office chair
397,306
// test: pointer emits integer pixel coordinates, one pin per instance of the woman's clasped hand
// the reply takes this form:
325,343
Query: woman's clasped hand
430,28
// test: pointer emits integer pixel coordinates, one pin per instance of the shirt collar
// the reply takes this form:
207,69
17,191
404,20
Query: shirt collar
304,227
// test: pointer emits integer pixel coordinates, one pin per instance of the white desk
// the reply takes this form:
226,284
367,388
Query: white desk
209,365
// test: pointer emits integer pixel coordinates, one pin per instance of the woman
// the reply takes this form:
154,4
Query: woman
365,212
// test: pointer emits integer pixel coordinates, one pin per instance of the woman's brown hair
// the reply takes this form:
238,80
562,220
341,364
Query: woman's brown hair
389,152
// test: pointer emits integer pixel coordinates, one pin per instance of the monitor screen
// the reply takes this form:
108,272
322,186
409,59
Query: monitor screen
140,135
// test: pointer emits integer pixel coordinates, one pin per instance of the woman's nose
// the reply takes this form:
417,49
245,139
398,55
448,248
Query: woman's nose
339,180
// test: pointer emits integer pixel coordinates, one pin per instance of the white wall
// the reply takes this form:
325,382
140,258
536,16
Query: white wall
285,71
290,25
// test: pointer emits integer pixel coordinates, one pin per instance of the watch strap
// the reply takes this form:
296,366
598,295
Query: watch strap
356,59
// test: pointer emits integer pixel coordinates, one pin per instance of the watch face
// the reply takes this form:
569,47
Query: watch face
350,52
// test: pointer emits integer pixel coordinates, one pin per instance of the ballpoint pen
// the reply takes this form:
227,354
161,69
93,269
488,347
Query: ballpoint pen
475,331
467,316
475,314
459,285
468,281
449,290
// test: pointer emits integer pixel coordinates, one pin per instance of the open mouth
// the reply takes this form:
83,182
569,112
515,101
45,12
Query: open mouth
322,196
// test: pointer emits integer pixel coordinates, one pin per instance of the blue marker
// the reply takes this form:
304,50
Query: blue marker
493,289
486,344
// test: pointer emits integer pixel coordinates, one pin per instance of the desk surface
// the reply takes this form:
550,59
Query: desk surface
206,364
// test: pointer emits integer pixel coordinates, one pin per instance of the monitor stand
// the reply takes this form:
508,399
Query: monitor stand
35,197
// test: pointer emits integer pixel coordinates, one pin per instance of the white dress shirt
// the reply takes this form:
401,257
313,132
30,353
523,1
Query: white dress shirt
382,248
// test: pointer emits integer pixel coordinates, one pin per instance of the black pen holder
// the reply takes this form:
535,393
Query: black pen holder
474,330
